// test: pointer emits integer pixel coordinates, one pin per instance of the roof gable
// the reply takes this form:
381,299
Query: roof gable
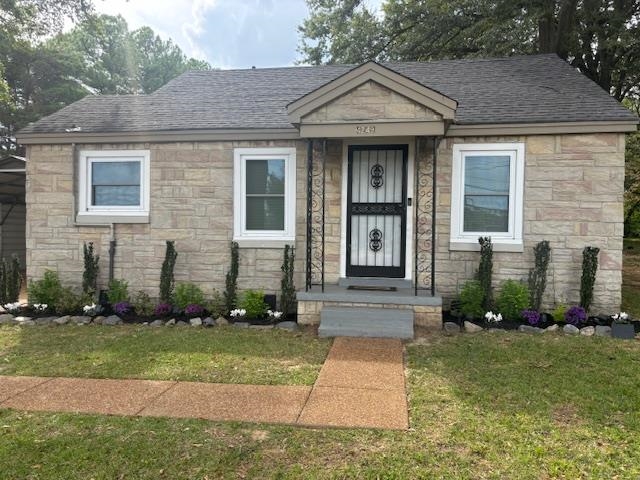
353,80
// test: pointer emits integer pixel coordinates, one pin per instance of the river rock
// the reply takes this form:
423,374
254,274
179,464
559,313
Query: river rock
471,327
157,323
588,331
603,331
112,320
530,329
208,322
196,322
221,321
288,325
571,329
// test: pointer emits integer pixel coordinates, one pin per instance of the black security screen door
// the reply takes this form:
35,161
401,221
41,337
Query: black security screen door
376,211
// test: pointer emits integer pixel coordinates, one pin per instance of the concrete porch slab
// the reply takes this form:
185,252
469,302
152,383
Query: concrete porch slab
222,402
85,395
11,386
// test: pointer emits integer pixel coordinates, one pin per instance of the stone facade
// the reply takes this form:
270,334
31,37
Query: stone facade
370,102
573,198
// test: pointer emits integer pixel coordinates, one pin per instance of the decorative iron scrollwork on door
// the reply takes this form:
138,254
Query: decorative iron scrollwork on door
377,171
375,240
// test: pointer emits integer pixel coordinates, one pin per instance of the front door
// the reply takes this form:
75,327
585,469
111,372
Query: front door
377,211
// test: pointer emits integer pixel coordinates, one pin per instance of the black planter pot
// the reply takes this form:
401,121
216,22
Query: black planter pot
623,330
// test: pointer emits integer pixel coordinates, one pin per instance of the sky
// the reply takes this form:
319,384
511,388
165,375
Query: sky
226,33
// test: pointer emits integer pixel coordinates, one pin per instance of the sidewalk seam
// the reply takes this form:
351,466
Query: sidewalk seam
48,379
155,399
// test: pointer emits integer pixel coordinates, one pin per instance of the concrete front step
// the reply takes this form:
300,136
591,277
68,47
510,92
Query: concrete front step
366,322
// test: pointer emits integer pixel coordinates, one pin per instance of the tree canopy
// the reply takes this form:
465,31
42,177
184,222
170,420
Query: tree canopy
43,68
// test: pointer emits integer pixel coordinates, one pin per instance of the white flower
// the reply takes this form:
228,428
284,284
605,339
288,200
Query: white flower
40,307
493,317
238,312
12,307
89,308
622,316
273,314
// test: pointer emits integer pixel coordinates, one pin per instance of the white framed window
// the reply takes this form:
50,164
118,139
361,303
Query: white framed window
114,186
264,194
487,194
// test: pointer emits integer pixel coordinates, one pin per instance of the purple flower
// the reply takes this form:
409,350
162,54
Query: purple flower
531,316
163,309
575,315
122,307
193,310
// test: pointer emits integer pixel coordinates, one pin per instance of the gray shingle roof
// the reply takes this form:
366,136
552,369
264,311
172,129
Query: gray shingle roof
520,89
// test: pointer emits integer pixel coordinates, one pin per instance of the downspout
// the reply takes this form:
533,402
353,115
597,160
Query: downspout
112,249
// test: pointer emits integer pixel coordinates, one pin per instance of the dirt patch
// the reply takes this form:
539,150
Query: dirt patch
566,415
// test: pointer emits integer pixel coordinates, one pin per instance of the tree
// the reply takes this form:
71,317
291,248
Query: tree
600,37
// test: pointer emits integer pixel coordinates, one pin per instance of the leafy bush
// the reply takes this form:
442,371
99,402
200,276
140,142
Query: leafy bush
231,280
166,274
253,302
68,302
287,287
10,280
142,304
513,299
118,291
46,290
471,297
91,268
559,312
188,294
575,315
216,305
485,271
538,274
588,278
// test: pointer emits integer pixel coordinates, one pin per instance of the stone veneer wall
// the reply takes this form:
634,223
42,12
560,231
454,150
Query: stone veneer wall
191,203
573,198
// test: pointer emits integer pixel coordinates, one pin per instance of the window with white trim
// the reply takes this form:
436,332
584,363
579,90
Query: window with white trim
114,183
487,194
264,193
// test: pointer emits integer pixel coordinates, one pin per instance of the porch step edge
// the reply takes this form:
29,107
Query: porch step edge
372,297
374,282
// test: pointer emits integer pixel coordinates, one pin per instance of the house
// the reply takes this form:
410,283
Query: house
12,207
383,176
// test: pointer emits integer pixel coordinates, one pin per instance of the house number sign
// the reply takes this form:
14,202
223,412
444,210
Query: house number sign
365,129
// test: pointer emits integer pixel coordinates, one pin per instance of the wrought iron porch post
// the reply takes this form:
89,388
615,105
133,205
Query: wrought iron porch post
309,213
436,144
416,195
324,194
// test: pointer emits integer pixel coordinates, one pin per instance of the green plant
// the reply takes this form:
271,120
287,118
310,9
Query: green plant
588,278
559,312
485,271
231,280
118,291
287,286
142,304
512,299
91,268
471,297
253,302
166,274
188,294
47,290
10,280
216,306
538,274
68,302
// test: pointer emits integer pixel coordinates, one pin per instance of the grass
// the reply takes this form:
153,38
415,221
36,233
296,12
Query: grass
485,406
223,355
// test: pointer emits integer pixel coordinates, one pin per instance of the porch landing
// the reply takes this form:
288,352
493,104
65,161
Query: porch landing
341,311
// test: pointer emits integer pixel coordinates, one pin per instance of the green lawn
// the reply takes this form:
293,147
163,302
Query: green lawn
224,355
502,405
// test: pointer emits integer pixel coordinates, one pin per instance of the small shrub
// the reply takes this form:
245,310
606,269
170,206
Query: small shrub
68,302
558,312
118,291
193,310
11,280
532,317
231,280
538,274
513,299
575,315
485,271
588,278
163,309
122,308
216,305
91,269
287,287
142,304
166,274
253,302
188,294
47,290
471,297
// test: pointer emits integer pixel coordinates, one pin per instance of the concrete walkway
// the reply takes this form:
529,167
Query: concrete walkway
361,384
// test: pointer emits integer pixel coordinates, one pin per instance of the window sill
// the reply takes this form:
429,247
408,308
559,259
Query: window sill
107,218
263,243
515,246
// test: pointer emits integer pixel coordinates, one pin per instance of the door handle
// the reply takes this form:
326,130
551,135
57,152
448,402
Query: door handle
409,202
